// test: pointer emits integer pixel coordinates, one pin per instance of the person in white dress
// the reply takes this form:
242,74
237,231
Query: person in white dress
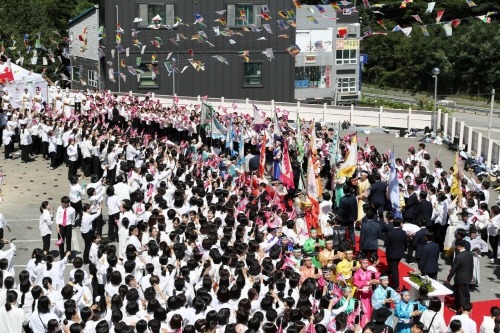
67,106
25,101
37,105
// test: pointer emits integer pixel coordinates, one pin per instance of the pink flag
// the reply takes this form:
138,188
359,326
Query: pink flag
287,173
417,18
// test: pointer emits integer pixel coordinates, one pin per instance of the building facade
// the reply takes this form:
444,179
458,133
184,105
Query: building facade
327,69
85,65
153,46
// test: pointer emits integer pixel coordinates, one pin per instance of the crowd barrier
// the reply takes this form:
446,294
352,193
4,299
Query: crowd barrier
475,141
356,115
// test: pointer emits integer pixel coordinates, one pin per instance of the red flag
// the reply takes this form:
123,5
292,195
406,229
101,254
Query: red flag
439,15
381,23
6,73
455,23
287,173
262,163
342,32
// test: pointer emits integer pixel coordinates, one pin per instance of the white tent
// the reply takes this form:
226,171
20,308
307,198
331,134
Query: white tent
23,78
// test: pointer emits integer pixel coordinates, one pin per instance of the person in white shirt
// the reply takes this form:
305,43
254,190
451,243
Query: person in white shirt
468,324
113,203
433,318
3,224
75,198
12,317
41,316
65,219
45,224
25,142
72,152
122,189
8,143
488,324
78,101
87,229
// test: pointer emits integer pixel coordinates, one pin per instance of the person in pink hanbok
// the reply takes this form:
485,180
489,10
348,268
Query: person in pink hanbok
364,279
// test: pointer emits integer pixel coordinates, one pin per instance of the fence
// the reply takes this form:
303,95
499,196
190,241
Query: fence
360,116
474,140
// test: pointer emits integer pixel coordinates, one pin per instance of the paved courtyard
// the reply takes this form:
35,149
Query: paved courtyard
25,186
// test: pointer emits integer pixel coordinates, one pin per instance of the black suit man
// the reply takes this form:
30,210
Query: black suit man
410,205
419,241
378,195
428,263
395,251
370,232
424,209
462,270
348,211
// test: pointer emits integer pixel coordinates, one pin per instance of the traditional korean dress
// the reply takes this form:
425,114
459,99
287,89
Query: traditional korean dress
361,280
402,312
363,187
380,295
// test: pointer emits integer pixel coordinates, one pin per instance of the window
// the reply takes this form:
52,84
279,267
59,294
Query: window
148,11
240,15
75,73
346,57
347,84
252,74
92,78
312,77
148,79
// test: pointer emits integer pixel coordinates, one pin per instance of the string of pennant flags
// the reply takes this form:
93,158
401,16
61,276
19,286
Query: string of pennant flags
280,26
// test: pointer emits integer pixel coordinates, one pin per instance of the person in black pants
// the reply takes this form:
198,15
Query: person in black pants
348,210
493,240
65,219
87,230
72,152
461,270
428,263
395,248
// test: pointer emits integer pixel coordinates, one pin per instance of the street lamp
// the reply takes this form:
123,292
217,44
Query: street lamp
435,73
173,77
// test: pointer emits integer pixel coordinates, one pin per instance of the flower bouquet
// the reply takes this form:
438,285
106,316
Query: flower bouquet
419,279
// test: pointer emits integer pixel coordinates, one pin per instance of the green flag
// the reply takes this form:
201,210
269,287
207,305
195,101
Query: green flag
300,144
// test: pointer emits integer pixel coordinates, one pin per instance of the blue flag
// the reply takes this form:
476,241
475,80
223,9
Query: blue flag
394,187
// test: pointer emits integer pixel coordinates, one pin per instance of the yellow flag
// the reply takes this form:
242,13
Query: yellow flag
351,160
456,182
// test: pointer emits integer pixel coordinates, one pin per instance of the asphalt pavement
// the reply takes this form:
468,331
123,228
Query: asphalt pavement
25,186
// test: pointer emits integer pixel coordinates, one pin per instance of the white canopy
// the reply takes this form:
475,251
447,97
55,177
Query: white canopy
23,79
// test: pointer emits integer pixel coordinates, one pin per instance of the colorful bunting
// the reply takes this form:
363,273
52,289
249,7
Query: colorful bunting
439,15
447,28
430,7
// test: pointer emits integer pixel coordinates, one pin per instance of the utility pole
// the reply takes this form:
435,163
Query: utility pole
118,53
490,123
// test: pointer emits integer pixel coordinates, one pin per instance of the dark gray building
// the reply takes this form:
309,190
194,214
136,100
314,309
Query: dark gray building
171,43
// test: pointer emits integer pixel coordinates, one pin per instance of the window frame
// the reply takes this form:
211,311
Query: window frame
346,60
74,74
167,20
348,88
245,84
231,14
143,66
92,79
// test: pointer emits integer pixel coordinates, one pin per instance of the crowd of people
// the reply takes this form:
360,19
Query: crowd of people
207,234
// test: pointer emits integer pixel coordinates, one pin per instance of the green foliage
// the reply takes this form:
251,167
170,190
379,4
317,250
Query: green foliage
386,103
467,59
47,18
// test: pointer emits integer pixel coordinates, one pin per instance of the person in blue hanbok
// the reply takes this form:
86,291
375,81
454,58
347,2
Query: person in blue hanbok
405,312
385,296
277,156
